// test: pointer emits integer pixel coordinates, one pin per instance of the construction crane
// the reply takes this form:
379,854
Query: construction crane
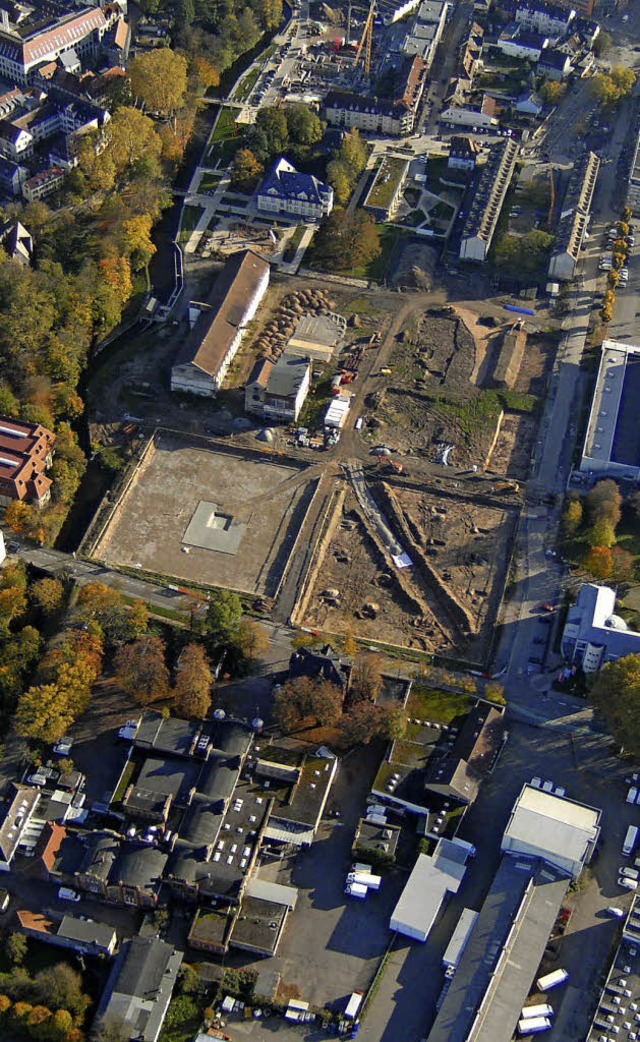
366,40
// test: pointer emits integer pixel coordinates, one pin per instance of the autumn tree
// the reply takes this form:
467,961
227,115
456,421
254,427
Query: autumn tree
366,679
252,639
347,240
572,517
495,693
604,503
159,80
43,714
136,240
246,170
141,670
615,692
393,722
362,723
304,698
130,136
202,74
47,594
609,88
192,689
118,621
553,91
623,565
599,562
601,533
60,985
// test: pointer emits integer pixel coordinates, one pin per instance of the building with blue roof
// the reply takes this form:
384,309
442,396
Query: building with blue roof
284,190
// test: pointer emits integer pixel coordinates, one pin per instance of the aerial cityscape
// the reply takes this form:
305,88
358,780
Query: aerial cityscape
319,520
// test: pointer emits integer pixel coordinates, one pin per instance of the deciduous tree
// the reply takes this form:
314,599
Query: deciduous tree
599,562
366,679
304,125
192,690
304,699
252,639
604,503
615,692
16,948
223,615
159,80
141,670
246,170
48,594
363,722
43,714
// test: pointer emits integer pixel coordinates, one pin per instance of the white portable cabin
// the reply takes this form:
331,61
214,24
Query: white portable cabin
533,1025
552,980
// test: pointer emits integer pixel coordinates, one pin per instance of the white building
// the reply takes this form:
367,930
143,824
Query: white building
544,18
276,391
552,827
24,47
593,634
612,444
432,878
284,190
218,327
516,43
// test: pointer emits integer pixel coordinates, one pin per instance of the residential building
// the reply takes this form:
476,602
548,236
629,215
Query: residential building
516,42
432,878
612,441
593,634
555,828
139,989
424,35
471,52
461,112
386,192
482,219
43,184
276,391
12,177
16,820
529,104
322,664
35,115
463,154
17,242
555,64
376,115
26,453
29,42
218,327
582,7
79,935
284,190
544,18
574,217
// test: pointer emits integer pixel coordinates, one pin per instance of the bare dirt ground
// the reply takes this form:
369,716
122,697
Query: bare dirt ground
148,528
465,543
511,455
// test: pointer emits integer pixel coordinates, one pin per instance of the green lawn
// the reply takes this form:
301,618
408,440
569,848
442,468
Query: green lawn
438,706
190,217
247,84
209,182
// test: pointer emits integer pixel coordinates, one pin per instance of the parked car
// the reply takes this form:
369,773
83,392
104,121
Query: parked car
627,884
63,747
617,913
630,873
65,893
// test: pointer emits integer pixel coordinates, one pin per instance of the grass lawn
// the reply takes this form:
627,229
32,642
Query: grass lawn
437,706
247,84
474,416
225,127
209,183
183,1020
376,269
316,404
190,217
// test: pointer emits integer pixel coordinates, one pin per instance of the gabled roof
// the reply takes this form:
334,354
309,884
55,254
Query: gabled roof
140,985
207,344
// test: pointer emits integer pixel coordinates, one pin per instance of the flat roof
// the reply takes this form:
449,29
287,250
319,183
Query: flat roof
612,432
493,980
431,879
259,925
555,825
391,173
268,891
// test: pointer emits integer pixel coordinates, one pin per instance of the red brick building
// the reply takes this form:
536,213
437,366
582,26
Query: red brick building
26,453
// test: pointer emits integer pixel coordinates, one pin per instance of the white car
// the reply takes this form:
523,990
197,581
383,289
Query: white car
65,893
627,884
617,913
630,873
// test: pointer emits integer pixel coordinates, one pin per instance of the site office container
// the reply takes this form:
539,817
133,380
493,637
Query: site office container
543,1009
630,840
366,879
552,980
353,1005
533,1025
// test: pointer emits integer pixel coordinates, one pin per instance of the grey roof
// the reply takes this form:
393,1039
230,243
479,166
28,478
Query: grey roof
230,737
101,852
101,935
166,734
140,985
431,879
512,909
461,772
139,866
201,823
259,925
287,375
218,777
22,806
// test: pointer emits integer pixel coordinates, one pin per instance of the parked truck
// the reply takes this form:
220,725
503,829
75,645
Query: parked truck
533,1025
365,879
356,890
458,943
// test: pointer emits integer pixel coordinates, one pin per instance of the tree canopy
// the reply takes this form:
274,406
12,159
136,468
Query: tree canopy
347,240
159,80
615,692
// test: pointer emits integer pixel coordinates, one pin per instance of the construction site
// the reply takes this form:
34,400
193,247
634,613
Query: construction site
415,566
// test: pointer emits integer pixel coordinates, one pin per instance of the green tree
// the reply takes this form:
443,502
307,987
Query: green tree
246,170
16,948
273,123
353,152
528,253
303,124
61,987
192,690
159,80
601,533
223,615
340,178
393,723
140,669
602,44
615,692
